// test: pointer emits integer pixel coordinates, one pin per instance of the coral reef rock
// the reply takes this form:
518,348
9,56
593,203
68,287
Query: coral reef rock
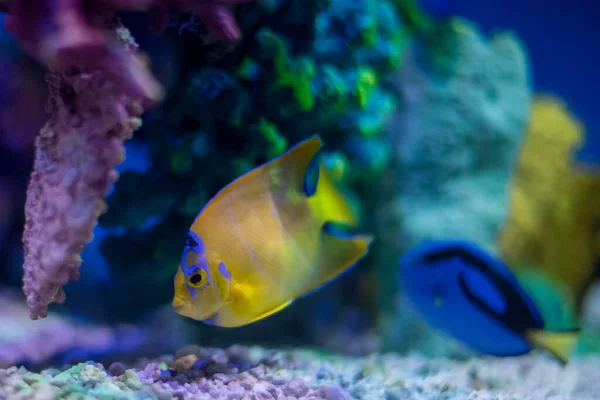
256,373
464,106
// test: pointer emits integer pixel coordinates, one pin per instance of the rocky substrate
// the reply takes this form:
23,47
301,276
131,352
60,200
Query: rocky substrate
259,374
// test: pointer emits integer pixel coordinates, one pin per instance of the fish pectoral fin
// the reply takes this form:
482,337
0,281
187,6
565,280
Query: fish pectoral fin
559,343
272,311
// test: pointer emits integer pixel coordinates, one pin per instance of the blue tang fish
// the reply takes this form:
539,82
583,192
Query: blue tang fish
274,234
462,290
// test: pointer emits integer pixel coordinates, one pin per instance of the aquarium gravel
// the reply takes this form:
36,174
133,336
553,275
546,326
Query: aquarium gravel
256,373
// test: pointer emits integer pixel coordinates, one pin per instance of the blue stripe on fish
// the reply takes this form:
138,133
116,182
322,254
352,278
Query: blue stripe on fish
311,177
340,230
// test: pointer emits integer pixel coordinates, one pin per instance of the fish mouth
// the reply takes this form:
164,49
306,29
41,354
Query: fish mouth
178,303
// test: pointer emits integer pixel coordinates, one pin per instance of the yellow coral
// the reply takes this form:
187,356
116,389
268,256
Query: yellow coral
554,208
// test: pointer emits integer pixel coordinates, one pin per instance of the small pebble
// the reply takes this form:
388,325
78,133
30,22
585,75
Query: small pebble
297,387
132,380
179,395
181,379
160,392
186,362
398,393
212,369
201,363
258,371
331,392
222,377
220,358
31,378
166,374
238,351
187,350
116,369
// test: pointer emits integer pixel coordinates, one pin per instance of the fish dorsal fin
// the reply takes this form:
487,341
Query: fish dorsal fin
468,251
311,177
559,343
287,169
284,172
291,167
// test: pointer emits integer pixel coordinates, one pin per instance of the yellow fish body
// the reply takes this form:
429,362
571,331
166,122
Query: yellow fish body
266,239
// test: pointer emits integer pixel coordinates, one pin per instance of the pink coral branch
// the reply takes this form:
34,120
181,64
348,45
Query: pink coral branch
76,153
58,34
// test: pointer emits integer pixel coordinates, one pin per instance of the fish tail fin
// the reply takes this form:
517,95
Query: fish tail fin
341,245
559,343
326,201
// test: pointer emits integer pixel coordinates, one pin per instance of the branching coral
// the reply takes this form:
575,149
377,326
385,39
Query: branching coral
99,83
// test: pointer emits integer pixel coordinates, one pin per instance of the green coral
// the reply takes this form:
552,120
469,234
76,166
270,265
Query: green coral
296,74
277,142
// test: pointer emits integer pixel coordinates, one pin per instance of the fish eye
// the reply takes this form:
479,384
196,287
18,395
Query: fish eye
197,279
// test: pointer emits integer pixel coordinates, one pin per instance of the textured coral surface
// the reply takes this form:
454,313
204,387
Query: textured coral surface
464,95
76,152
554,211
255,373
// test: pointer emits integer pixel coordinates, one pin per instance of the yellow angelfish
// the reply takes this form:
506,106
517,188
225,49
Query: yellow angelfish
267,238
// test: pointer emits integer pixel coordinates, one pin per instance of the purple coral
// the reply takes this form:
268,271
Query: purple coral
76,152
60,35
98,84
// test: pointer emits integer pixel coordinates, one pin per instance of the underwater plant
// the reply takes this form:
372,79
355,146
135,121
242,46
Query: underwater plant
552,223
